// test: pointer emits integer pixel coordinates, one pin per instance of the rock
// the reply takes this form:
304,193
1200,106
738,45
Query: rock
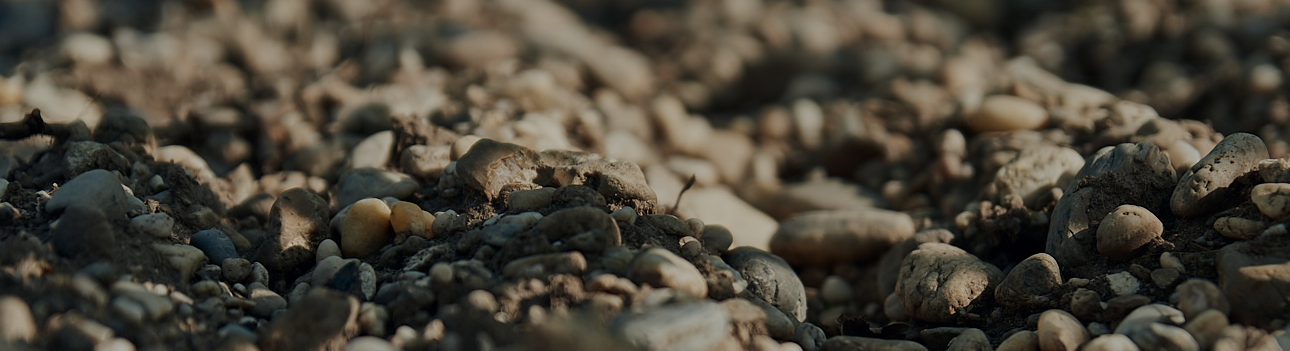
184,258
662,268
1136,174
587,229
828,237
1157,336
266,301
748,319
1110,342
84,156
1033,172
1273,199
425,162
83,232
155,306
366,229
97,188
490,165
360,183
215,244
16,323
809,336
298,223
1254,284
157,225
235,269
718,206
373,152
323,320
972,339
841,343
771,279
327,249
1086,305
1144,316
186,158
822,194
939,281
717,238
1000,113
1208,182
1207,327
687,326
1238,228
1059,330
1164,277
617,181
1030,284
730,152
1197,295
723,281
1125,230
543,266
530,200
889,266
408,218
1024,340
836,290
1123,283
369,343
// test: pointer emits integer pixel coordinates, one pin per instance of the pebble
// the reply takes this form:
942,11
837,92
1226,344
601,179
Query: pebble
369,343
972,339
723,281
215,244
661,268
530,200
937,282
1170,261
156,306
366,228
1033,172
83,231
83,156
1030,284
266,301
626,215
425,162
16,323
1238,228
843,343
1208,182
97,188
1162,337
543,266
1254,285
617,181
889,264
298,222
1001,113
771,279
809,336
836,290
1125,230
820,194
1273,199
184,258
1059,330
408,218
1024,340
235,269
1207,327
1110,342
323,320
373,151
717,238
721,207
825,238
686,326
327,248
158,225
490,165
1198,295
1123,283
1164,277
361,183
584,228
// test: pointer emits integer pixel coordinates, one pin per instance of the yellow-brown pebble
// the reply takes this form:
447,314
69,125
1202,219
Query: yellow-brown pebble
408,218
366,228
1000,113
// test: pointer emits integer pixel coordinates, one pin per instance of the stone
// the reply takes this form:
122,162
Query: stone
747,318
1024,340
584,228
97,188
360,183
937,282
717,238
157,225
322,320
809,336
889,264
373,152
1207,327
1198,295
972,339
154,306
1059,330
369,343
1255,284
1238,228
298,223
719,206
618,181
1126,230
723,281
1208,183
1001,113
543,266
83,232
530,200
184,258
661,268
842,343
685,326
215,244
1145,315
1273,199
825,238
1031,284
84,156
266,301
1123,283
1110,342
425,162
771,279
366,229
327,249
408,218
1033,172
836,290
490,165
16,323
235,269
1157,336
1135,174
1164,277
820,194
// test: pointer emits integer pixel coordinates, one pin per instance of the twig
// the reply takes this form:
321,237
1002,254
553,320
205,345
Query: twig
687,186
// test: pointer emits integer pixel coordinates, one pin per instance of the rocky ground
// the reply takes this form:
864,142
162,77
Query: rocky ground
658,175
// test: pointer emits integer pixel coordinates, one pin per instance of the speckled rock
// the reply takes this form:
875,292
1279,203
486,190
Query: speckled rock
617,181
489,165
298,223
96,188
1034,172
366,229
1238,228
1206,184
770,278
662,268
1031,284
1125,230
828,237
939,281
1273,199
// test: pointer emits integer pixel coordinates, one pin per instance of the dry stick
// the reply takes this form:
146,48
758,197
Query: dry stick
34,124
678,196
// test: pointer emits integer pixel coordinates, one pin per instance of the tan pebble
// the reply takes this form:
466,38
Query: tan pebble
1059,330
1110,342
1168,260
327,249
441,273
1264,78
1273,199
366,228
16,323
408,218
1182,155
662,268
1125,230
1238,228
184,258
1005,112
462,145
1021,341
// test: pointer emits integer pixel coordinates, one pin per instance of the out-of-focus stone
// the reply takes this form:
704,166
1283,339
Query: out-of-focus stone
828,237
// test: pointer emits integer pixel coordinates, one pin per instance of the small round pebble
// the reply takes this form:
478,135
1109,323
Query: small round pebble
999,113
366,228
1125,230
327,249
408,218
236,270
836,290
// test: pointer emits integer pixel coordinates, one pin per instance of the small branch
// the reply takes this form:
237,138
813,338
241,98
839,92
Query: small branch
34,124
687,187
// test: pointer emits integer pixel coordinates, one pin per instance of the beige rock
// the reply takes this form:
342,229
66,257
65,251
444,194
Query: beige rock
823,238
491,165
1005,112
1238,228
1198,295
1208,181
1031,283
938,282
16,323
366,229
662,268
1034,172
1060,331
1024,340
1273,199
718,206
1110,342
408,218
1207,327
1125,230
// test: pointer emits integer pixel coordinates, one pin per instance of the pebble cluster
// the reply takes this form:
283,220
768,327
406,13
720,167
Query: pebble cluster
592,175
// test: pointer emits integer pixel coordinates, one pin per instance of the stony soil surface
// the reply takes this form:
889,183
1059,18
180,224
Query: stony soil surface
655,175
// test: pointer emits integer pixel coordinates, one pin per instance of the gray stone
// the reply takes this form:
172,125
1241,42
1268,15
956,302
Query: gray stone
83,156
1142,317
1254,283
1033,173
939,281
361,183
584,228
1031,284
1207,183
825,238
99,189
426,162
689,326
770,278
83,232
661,268
298,223
809,336
266,301
972,339
158,225
845,343
215,244
1110,342
1162,337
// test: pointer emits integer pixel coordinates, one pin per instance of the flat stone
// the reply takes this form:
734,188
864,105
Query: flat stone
1238,228
688,326
1207,183
828,237
1030,284
662,268
1254,284
719,206
1125,230
543,266
770,278
939,281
